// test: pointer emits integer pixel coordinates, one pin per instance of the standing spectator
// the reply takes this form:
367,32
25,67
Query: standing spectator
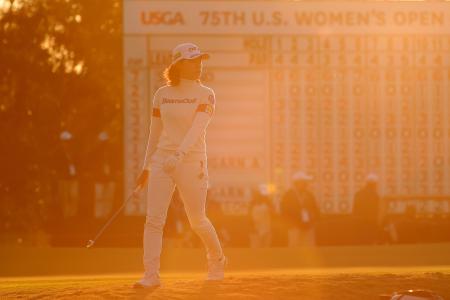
366,207
300,211
261,211
389,230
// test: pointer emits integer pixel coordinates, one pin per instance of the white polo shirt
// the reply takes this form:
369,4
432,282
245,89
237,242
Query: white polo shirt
177,106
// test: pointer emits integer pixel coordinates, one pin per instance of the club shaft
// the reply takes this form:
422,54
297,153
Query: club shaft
114,216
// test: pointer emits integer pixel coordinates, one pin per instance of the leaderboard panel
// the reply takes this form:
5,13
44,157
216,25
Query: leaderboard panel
354,104
317,92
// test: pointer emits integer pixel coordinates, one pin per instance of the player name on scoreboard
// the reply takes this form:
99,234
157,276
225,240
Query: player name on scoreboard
337,91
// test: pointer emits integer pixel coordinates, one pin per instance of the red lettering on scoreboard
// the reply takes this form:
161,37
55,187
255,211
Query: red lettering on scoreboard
162,18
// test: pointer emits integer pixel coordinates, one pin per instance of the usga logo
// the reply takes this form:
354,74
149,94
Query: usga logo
162,18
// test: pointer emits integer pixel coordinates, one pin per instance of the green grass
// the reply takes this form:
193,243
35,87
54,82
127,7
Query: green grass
354,283
360,272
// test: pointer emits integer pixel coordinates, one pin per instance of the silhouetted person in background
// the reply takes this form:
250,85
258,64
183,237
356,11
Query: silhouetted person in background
299,211
367,207
261,213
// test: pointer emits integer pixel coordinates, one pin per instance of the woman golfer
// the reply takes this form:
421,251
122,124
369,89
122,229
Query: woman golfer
176,156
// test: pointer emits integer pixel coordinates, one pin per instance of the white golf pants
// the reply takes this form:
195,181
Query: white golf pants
191,180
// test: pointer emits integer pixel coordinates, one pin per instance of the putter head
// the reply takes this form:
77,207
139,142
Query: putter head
90,243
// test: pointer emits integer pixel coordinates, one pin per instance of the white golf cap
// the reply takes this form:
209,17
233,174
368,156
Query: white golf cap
301,175
187,51
372,177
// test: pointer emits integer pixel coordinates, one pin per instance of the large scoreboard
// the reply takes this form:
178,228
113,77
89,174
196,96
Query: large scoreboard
337,89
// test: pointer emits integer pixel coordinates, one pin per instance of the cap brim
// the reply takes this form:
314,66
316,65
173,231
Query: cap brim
201,55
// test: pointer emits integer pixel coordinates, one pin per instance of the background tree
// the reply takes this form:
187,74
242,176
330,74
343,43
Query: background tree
60,70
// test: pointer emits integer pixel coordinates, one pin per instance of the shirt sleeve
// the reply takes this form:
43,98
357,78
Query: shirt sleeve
203,115
156,127
208,103
155,107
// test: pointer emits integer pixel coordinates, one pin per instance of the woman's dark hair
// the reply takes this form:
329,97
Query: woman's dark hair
172,75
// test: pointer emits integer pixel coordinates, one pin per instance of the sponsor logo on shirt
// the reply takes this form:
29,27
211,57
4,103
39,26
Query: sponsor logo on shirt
207,108
177,101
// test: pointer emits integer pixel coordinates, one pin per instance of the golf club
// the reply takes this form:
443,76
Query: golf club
134,194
